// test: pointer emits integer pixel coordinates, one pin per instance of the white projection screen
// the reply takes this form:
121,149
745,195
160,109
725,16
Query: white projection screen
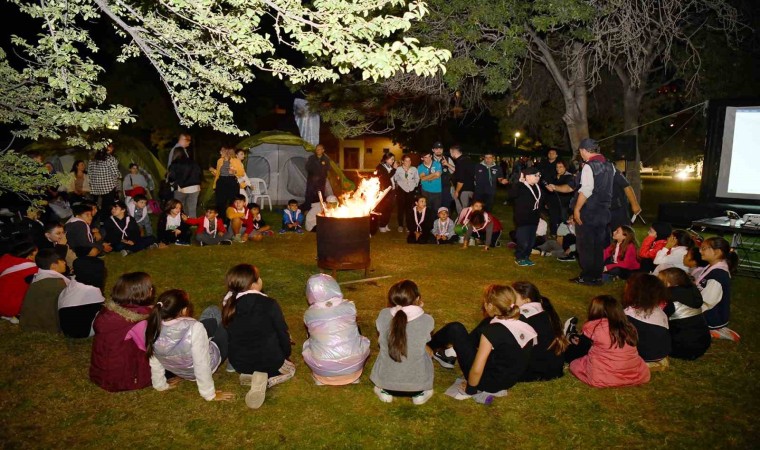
740,154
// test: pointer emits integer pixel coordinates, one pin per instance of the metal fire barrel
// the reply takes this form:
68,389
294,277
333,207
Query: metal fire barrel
343,243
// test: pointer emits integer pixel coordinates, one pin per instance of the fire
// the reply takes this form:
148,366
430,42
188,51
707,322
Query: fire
360,202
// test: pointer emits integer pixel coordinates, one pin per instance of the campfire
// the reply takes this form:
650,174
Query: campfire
343,231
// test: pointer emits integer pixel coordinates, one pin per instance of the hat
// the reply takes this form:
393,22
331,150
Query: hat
331,199
530,170
437,144
443,208
590,145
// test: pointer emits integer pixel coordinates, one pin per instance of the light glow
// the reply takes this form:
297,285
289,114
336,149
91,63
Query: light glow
358,203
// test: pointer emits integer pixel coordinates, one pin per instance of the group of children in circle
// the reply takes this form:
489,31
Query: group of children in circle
138,340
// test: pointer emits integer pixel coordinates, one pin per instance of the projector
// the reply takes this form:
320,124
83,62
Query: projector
752,220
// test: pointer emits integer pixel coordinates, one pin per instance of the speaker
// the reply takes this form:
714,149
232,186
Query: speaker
625,148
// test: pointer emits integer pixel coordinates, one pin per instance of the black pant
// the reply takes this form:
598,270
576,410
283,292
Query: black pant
590,246
141,243
575,351
385,208
487,200
226,190
404,202
104,202
218,334
464,343
313,187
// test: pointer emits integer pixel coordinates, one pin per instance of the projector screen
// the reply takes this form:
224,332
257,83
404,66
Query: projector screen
738,174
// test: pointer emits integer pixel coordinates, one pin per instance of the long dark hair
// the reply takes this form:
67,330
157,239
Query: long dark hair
683,238
169,305
644,291
239,279
76,163
529,290
718,243
134,288
630,238
403,293
621,331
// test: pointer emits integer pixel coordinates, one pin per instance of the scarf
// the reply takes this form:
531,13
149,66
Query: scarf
443,226
420,220
123,230
412,311
617,253
89,233
522,332
722,264
531,309
207,226
536,195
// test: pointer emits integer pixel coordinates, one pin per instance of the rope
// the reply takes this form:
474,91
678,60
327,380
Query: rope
653,121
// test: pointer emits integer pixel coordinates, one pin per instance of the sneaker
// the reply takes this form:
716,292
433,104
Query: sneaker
225,242
382,395
283,231
567,258
124,252
383,229
570,327
524,262
472,242
725,333
237,238
484,398
13,320
182,243
202,244
299,230
579,280
245,379
421,399
535,251
153,245
255,397
659,366
229,368
447,362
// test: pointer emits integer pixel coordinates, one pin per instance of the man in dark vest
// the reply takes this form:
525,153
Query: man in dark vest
317,167
591,211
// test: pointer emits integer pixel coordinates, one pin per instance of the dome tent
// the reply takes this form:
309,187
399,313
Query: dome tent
279,159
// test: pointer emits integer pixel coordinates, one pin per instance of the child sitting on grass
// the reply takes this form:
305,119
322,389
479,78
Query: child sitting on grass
403,367
123,233
137,207
211,229
642,297
259,342
620,257
694,263
495,355
191,349
55,303
443,228
419,221
335,350
604,354
239,217
172,225
292,218
672,255
259,226
689,335
657,238
16,268
118,361
715,284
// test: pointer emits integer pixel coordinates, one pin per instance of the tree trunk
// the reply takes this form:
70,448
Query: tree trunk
631,108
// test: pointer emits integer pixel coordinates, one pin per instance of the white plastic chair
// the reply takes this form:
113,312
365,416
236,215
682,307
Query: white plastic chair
258,193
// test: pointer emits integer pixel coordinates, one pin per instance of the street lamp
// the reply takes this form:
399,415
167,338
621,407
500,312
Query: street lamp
517,135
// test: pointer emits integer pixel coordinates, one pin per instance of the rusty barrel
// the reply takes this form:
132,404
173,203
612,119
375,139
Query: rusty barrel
343,243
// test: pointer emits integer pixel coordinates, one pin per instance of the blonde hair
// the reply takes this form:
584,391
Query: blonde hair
503,298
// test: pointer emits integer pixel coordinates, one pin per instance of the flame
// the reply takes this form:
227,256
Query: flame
360,202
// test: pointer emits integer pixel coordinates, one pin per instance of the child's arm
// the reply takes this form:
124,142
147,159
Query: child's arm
202,362
197,221
712,293
476,371
158,375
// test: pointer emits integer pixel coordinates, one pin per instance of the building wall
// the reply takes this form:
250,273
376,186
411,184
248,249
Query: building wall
363,153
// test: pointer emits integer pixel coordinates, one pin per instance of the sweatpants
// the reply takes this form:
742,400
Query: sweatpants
464,200
210,239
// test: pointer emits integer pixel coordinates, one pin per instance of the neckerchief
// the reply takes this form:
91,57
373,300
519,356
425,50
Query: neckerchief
123,230
530,309
240,294
522,332
443,226
536,197
207,226
421,219
89,233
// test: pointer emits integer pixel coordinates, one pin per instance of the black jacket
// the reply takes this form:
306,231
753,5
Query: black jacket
185,172
258,335
525,210
114,234
465,173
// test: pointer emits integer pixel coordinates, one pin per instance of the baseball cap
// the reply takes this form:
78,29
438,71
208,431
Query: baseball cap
437,144
443,208
589,144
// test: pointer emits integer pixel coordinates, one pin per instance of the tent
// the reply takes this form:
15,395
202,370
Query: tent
279,159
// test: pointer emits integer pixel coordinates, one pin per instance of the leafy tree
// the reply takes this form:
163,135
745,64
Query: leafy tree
204,52
26,177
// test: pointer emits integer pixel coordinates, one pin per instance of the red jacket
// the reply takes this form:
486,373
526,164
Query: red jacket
650,247
198,221
13,284
118,364
627,261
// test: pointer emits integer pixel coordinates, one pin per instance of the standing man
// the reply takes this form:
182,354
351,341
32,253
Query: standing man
463,179
430,180
624,202
548,166
316,176
487,175
591,211
447,170
183,142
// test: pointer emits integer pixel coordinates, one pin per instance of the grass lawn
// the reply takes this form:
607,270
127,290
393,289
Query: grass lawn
46,399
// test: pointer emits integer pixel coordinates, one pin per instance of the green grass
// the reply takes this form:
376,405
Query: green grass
46,399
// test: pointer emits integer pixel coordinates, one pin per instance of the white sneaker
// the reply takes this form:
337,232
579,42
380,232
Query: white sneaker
401,229
421,399
383,229
13,320
255,397
382,395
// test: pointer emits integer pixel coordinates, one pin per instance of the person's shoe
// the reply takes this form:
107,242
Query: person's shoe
153,245
229,368
524,262
182,243
255,397
299,230
568,258
237,238
124,252
659,366
725,333
472,242
13,320
225,242
535,251
245,379
401,229
283,231
607,278
382,395
421,399
484,398
202,244
580,280
570,327
447,362
383,229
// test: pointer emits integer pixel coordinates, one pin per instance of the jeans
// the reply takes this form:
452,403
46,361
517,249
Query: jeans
211,318
464,200
189,202
525,235
433,200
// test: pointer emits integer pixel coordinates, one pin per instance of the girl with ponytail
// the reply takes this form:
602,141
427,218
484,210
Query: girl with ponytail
495,355
259,342
403,367
546,358
186,347
715,284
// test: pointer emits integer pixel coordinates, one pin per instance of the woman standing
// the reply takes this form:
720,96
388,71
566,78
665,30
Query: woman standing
79,186
406,180
104,174
385,171
228,170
